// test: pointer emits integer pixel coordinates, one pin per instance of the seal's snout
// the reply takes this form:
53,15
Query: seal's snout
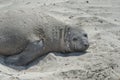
86,45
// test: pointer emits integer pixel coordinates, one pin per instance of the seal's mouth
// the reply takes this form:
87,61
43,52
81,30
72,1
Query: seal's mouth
80,49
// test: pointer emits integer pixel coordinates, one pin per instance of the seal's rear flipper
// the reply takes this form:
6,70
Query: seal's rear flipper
32,51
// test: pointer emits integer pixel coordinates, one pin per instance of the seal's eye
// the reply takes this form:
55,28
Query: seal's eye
85,35
75,39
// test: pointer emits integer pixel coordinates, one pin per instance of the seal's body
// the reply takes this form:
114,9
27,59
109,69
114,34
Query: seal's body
26,34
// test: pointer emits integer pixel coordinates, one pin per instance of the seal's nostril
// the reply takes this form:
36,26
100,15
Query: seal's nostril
86,45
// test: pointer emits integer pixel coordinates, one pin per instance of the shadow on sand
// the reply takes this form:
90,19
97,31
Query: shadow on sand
36,61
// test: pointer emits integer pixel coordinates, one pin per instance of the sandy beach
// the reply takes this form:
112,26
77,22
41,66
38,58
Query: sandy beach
99,18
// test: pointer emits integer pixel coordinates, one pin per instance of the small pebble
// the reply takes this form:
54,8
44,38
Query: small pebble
87,1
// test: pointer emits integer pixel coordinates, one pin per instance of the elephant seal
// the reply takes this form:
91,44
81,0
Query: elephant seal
26,34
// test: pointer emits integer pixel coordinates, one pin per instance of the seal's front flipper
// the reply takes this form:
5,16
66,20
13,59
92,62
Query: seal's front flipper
32,51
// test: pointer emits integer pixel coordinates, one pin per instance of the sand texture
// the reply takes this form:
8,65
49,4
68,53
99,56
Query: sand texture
99,18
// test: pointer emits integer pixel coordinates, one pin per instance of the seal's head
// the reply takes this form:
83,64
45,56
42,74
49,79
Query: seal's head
76,40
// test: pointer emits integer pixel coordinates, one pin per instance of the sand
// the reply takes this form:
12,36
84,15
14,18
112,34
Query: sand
99,18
